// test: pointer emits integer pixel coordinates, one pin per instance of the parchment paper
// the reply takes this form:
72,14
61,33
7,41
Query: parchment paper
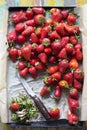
14,86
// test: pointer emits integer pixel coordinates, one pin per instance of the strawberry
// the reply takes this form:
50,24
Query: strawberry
48,50
74,93
30,23
39,19
21,39
71,19
33,61
21,65
56,75
52,69
53,10
43,57
57,16
63,84
34,47
18,17
60,29
78,46
19,53
63,65
52,59
79,55
77,84
64,41
28,31
33,72
78,74
69,48
26,51
40,66
64,13
12,36
19,27
46,41
14,106
23,72
73,64
54,35
54,113
73,104
57,92
45,90
38,31
48,22
13,53
29,13
72,118
34,38
40,48
73,40
62,54
49,81
38,10
69,78
56,47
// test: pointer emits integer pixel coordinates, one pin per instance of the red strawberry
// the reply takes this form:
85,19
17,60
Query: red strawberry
40,48
43,57
78,74
48,22
12,36
38,31
77,84
64,41
48,50
71,19
19,27
54,113
18,17
33,72
45,90
54,35
38,10
30,23
56,75
63,84
73,40
63,65
57,92
52,69
56,47
49,81
29,13
33,61
28,31
19,53
34,38
78,46
72,118
40,66
64,14
39,19
74,93
53,10
34,47
13,53
26,51
73,104
79,55
69,48
69,78
24,72
21,65
52,59
21,39
62,54
57,17
60,29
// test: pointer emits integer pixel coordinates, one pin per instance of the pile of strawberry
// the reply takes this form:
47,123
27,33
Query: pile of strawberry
48,41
